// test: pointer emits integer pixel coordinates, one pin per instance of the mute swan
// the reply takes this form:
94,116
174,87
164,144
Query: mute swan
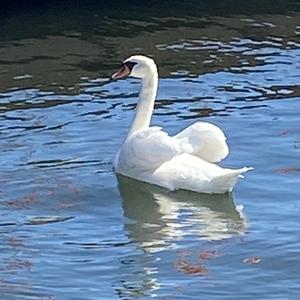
184,161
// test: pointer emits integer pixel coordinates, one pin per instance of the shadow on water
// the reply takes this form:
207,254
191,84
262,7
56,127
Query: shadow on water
159,218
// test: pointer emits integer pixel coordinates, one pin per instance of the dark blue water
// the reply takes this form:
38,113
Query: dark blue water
70,229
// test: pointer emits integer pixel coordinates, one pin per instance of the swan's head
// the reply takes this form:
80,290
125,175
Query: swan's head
138,66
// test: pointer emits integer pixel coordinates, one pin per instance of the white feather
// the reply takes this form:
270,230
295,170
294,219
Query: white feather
207,140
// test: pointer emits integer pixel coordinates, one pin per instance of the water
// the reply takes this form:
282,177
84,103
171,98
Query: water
70,229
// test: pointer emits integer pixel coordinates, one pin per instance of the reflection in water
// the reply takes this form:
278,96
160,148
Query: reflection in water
159,218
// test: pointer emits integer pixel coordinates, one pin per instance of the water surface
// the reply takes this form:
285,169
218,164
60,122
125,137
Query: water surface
70,229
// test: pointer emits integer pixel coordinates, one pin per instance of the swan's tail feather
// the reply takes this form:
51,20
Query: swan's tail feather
226,182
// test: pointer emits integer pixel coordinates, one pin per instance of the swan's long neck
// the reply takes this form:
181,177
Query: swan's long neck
145,105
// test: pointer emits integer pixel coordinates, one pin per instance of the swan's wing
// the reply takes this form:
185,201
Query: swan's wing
147,149
207,140
189,172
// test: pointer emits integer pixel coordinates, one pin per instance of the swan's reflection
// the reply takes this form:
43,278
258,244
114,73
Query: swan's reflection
157,218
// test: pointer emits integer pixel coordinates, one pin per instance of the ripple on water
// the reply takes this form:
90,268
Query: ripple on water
63,213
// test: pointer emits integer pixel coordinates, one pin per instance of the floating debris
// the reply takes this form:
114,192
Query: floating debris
208,254
285,132
193,269
15,242
16,264
287,170
22,203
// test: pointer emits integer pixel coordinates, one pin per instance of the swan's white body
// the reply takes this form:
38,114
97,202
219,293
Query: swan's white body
184,161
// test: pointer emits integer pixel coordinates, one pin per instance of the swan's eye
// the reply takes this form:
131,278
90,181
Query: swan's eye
129,65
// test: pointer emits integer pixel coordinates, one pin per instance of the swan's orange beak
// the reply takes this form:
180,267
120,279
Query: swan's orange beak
123,72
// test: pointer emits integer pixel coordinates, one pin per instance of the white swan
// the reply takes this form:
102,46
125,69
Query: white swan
184,161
